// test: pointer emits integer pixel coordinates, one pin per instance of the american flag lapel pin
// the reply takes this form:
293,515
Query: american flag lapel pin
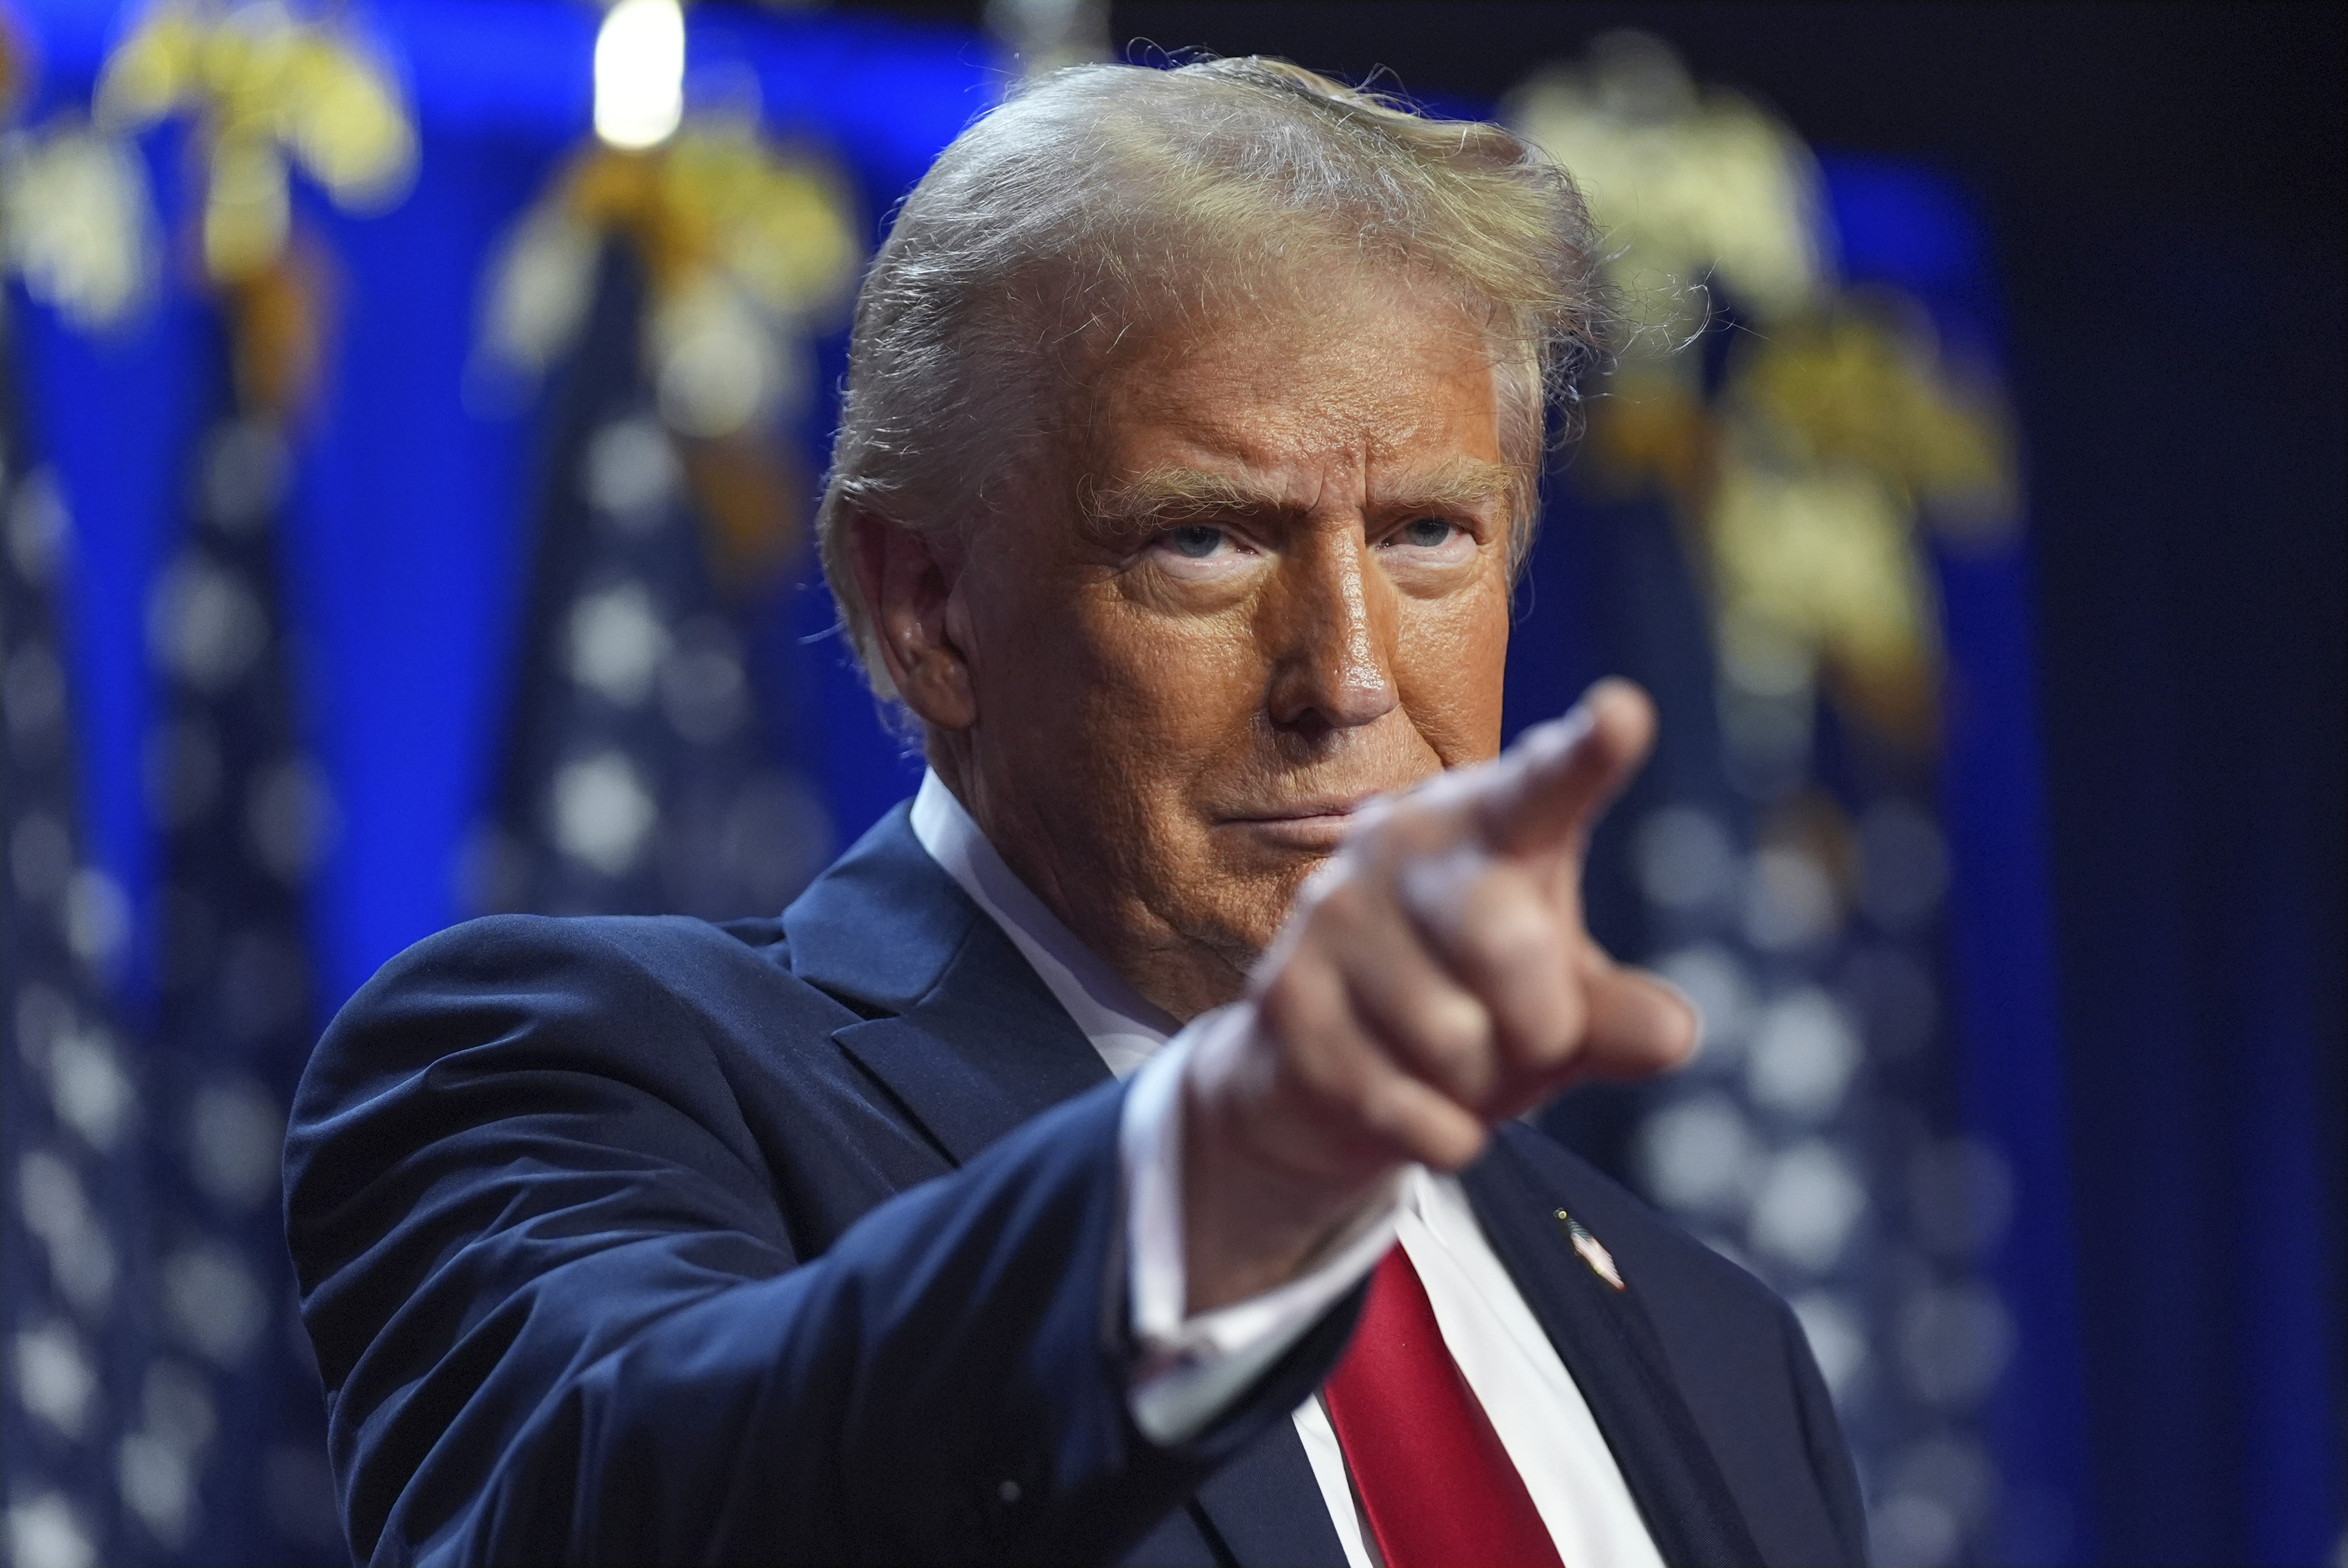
1593,1250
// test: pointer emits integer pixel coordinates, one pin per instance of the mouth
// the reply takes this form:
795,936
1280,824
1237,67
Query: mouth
1314,825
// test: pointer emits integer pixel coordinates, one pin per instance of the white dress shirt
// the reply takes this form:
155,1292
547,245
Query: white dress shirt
1192,1366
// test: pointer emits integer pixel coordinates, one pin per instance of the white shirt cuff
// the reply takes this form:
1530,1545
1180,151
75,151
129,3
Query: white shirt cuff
1192,1368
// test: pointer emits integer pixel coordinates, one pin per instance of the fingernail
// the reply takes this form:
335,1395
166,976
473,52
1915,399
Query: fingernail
1703,1028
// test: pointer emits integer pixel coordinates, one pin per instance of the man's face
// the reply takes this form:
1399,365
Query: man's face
1274,583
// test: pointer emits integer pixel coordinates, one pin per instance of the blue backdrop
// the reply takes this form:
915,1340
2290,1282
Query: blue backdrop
2173,1262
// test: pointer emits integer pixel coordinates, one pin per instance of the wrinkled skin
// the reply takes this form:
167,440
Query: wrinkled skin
1266,583
1126,717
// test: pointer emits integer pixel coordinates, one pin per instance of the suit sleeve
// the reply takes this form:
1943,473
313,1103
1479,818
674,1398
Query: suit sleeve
561,1317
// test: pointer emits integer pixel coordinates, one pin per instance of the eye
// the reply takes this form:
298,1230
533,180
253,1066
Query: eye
1199,553
1426,533
1196,541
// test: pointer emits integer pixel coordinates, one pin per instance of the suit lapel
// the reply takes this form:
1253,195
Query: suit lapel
1603,1336
968,1038
1265,1505
969,1073
970,1042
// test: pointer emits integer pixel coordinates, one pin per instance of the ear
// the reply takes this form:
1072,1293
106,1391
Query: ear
906,587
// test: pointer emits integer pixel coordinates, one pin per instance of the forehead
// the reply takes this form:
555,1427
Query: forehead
1365,371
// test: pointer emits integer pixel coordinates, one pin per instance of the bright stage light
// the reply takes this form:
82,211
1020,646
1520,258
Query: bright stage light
640,73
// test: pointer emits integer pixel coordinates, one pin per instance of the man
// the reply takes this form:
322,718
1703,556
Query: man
1192,432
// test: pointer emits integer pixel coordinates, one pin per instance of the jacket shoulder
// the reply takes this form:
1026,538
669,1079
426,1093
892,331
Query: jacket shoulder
674,949
496,1015
611,967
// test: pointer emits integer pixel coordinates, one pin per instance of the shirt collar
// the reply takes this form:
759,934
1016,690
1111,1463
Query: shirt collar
1123,1026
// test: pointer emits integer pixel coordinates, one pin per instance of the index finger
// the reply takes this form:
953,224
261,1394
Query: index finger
1548,787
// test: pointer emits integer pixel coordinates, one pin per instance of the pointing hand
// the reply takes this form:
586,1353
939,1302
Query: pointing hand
1434,979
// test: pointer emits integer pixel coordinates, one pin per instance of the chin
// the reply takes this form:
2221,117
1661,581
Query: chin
1252,902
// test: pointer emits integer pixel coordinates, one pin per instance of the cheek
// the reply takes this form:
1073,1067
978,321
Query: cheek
1131,693
1188,686
1449,658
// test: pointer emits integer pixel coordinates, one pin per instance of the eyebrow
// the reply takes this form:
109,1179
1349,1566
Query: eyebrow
1168,497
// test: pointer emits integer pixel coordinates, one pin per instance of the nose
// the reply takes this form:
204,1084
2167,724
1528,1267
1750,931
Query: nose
1329,628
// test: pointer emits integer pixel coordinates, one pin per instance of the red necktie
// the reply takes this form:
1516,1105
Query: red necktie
1437,1486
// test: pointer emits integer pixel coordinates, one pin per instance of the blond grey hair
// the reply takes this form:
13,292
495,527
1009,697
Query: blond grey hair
1104,197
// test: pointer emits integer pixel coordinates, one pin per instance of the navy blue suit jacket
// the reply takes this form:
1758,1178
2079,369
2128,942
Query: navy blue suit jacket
646,1240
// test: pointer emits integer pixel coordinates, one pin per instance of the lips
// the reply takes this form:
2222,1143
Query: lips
1317,824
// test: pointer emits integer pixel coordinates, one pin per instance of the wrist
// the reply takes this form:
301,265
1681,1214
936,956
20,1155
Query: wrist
1255,1217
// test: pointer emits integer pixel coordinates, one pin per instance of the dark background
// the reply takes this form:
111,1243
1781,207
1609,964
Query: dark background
2162,188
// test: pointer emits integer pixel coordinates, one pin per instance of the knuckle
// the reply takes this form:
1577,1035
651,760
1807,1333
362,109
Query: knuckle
1451,1027
1344,904
1508,927
1441,890
1306,1034
1546,1020
1322,1071
1388,1110
1398,829
1289,1006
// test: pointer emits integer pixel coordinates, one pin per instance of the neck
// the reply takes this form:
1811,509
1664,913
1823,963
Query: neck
1179,975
